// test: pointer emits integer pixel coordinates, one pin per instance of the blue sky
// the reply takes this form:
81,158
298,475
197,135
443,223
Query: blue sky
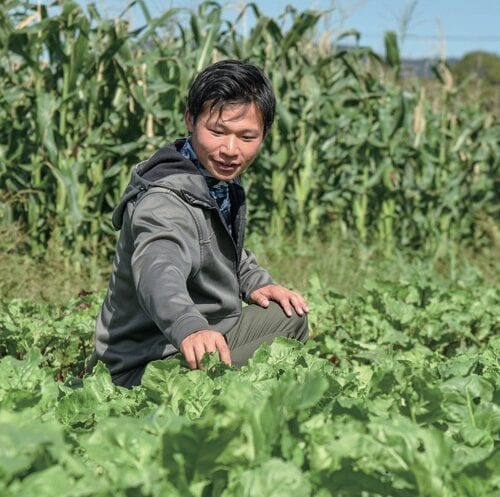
433,28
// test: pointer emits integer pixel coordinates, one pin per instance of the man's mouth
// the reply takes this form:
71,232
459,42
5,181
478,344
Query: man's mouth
227,165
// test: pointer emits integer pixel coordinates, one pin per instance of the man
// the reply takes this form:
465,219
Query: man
180,272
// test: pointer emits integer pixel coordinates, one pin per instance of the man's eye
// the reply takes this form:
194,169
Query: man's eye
216,132
248,138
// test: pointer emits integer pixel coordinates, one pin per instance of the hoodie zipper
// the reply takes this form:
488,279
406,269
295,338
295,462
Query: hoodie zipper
214,205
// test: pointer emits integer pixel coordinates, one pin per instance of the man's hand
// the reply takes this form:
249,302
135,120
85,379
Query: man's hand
284,297
195,346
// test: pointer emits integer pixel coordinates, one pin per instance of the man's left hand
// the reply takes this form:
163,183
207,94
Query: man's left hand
287,299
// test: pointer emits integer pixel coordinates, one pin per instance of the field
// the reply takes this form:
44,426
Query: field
396,394
376,197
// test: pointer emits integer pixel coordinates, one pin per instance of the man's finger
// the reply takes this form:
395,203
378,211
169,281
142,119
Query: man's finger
210,346
188,353
199,352
302,302
285,305
299,304
224,352
262,300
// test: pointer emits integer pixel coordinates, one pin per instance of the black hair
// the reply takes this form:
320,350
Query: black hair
232,82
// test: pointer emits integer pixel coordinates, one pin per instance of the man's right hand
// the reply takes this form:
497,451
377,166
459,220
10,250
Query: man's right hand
195,346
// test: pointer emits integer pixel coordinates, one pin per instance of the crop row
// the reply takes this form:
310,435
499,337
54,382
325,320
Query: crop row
396,394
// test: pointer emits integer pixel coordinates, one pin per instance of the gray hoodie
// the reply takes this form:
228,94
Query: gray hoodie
177,269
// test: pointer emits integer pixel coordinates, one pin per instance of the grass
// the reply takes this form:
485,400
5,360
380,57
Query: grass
344,264
341,264
51,277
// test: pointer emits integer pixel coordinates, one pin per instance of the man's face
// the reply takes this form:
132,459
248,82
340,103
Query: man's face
227,142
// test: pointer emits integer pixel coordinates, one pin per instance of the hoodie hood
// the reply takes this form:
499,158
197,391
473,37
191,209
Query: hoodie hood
167,168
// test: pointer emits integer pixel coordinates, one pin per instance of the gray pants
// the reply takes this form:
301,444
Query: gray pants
255,326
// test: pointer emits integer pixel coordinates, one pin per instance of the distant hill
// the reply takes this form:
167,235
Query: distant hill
422,68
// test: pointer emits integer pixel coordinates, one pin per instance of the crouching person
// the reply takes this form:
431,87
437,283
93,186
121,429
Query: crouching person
181,271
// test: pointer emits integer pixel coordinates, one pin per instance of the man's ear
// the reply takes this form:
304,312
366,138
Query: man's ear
189,121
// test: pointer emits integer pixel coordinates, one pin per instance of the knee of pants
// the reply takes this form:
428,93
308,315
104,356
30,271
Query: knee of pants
299,327
129,379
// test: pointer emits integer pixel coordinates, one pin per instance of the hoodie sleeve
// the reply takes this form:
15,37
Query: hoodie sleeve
252,276
166,253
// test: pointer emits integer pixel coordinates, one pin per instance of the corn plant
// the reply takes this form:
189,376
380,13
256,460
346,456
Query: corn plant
353,148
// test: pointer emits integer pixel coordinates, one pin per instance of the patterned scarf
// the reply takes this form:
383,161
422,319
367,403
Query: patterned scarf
219,190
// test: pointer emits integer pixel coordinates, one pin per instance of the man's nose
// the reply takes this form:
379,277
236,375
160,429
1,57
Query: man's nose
230,146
